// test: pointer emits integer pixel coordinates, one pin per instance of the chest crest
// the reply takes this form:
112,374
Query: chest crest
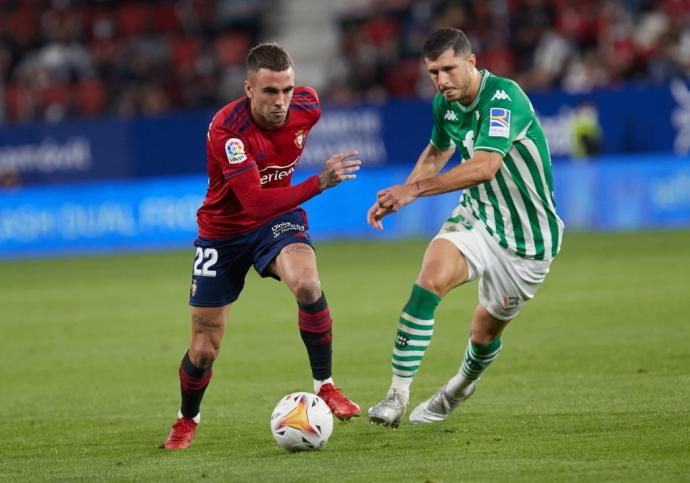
300,136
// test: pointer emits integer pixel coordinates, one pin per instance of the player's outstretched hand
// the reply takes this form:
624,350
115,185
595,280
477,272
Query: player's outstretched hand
337,169
396,197
376,214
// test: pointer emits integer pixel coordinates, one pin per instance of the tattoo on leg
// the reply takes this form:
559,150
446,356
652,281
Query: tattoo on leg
206,323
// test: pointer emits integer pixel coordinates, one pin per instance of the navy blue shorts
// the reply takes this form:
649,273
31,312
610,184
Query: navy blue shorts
220,266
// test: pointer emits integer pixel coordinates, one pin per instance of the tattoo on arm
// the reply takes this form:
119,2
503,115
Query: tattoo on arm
205,323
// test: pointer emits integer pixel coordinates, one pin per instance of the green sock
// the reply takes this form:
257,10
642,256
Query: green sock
415,329
478,357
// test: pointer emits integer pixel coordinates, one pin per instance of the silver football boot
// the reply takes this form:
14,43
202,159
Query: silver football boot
391,410
439,406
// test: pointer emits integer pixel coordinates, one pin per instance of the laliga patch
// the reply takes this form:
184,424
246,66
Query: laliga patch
234,148
499,122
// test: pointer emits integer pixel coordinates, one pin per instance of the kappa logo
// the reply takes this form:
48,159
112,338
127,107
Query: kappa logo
501,95
450,116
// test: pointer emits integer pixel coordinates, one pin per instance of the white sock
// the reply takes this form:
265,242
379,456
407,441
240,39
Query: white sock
401,384
457,385
196,419
318,384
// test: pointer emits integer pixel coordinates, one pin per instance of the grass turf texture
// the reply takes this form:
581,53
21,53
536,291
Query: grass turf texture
593,383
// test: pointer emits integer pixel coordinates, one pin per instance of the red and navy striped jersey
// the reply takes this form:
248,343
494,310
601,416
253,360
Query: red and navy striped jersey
250,168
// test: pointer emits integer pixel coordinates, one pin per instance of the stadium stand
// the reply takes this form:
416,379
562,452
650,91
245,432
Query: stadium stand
576,45
61,58
71,58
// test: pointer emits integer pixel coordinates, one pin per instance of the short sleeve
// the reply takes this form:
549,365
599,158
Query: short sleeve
439,137
506,114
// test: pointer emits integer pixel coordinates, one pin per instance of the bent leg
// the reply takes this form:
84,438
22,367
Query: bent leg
482,349
296,266
444,267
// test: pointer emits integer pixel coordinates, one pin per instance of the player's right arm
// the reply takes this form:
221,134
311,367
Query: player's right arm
430,163
439,150
432,160
241,172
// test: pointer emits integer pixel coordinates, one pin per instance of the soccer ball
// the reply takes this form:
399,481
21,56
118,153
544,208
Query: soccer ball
301,421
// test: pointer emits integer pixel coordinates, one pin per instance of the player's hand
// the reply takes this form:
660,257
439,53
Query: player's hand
337,169
376,214
395,197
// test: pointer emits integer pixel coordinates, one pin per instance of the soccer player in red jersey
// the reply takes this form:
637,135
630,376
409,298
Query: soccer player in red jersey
251,216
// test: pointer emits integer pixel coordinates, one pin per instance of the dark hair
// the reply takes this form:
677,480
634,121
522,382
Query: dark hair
269,56
442,40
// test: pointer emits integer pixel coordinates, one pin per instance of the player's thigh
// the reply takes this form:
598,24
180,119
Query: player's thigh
294,262
219,271
285,252
509,283
444,267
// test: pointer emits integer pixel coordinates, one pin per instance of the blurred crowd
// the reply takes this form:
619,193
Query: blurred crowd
575,45
67,58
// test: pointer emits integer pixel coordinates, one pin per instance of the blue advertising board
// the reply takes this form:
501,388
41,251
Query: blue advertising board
633,120
146,214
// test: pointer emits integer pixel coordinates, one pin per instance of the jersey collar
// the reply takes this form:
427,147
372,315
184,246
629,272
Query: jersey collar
485,74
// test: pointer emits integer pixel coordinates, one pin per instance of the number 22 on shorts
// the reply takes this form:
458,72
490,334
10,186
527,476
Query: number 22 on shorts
209,257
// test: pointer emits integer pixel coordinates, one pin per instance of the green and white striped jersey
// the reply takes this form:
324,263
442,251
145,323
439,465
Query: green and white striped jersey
517,207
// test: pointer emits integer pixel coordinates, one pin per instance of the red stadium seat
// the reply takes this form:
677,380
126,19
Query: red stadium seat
55,93
184,52
231,48
103,51
17,103
381,30
402,81
91,97
164,19
24,24
133,18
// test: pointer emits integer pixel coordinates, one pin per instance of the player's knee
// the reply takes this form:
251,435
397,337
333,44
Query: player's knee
486,334
307,290
433,284
204,357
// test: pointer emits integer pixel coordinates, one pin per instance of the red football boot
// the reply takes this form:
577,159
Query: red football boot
340,405
181,434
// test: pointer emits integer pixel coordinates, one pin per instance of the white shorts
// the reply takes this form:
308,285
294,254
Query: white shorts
506,281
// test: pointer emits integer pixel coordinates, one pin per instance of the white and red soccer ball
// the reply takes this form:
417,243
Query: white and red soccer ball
301,421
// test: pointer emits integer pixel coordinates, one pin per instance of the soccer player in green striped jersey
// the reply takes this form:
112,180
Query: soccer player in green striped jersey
505,231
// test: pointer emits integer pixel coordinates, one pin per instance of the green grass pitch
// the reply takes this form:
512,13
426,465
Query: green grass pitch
593,383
